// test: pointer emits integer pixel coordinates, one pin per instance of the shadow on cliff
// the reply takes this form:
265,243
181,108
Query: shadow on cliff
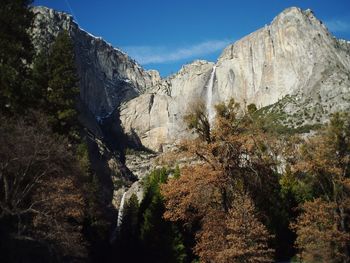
107,145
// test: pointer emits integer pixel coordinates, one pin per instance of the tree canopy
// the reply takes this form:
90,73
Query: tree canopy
16,54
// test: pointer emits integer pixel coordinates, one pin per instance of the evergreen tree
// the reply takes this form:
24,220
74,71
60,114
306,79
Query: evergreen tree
128,233
16,52
62,85
40,81
161,240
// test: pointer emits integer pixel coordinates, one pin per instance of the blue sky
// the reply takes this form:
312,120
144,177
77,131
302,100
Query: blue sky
164,34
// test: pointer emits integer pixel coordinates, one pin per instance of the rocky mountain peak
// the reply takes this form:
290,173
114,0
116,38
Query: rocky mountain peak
299,19
294,12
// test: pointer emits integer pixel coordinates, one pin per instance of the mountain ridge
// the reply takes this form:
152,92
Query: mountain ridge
108,75
294,55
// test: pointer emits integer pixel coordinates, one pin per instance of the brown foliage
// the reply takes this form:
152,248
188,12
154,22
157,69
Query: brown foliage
325,158
41,196
191,196
236,236
244,155
324,162
237,159
211,239
319,236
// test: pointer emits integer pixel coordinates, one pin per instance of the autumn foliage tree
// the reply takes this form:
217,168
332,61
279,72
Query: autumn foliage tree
323,164
319,235
41,194
235,160
235,236
197,120
242,224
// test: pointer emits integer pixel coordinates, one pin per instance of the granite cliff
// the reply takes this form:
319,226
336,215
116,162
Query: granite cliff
293,67
108,76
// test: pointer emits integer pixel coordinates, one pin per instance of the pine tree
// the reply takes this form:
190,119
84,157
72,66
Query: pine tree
16,52
129,231
40,81
161,241
62,85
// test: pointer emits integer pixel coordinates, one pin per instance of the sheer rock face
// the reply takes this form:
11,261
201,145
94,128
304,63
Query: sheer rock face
295,55
292,55
107,75
157,118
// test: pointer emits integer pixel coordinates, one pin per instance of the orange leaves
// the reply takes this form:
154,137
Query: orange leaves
319,237
236,236
247,238
323,228
196,191
324,161
211,239
239,158
209,192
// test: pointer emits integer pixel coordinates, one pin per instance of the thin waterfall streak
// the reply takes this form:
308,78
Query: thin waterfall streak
119,220
210,87
121,210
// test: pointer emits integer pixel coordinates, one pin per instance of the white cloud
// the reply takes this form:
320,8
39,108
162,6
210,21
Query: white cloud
338,25
162,54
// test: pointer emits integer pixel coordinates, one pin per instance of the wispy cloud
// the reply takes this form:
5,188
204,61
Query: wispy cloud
338,25
162,54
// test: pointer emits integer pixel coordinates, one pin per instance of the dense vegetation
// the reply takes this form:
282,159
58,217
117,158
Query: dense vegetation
50,208
245,193
249,190
259,196
145,230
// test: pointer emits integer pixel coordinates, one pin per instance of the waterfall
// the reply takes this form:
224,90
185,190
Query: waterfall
209,105
121,210
119,219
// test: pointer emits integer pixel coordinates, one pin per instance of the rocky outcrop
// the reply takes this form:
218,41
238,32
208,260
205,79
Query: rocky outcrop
140,164
157,119
108,76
